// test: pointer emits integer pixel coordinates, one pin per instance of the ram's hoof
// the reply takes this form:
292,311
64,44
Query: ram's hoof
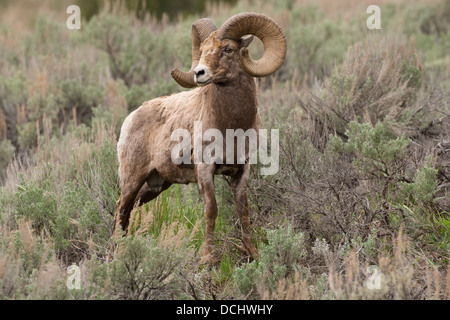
208,259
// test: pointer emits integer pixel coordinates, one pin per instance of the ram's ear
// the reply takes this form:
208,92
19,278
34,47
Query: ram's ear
244,42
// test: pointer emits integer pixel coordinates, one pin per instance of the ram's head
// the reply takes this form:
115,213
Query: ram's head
219,55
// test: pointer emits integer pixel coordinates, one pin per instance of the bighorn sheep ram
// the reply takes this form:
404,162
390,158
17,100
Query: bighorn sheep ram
225,98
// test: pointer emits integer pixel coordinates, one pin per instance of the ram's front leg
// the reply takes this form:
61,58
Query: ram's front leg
205,179
239,185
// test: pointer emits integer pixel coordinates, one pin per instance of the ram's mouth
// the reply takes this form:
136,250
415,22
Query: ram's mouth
204,83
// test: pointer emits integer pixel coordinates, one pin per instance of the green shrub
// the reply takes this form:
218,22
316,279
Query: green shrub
136,95
376,150
144,271
29,268
424,184
40,104
84,97
279,259
36,200
315,43
6,154
13,89
133,52
377,81
73,202
99,177
27,135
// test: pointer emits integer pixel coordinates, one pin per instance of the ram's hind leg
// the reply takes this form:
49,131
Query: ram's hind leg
134,193
124,206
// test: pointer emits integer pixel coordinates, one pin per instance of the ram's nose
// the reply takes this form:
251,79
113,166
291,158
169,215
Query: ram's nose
199,72
202,75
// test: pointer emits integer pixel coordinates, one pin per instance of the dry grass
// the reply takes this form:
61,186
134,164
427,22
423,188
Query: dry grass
27,267
349,9
402,277
3,127
378,80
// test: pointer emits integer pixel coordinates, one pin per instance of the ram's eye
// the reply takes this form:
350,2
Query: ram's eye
228,50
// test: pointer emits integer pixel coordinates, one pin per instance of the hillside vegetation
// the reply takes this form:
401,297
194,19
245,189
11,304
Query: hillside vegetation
364,178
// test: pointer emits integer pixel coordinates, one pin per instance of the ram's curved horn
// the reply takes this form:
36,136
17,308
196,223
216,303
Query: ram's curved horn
268,31
201,30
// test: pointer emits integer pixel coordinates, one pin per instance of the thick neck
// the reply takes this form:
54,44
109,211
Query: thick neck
233,106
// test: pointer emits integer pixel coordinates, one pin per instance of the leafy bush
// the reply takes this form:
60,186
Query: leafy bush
133,53
279,259
72,201
424,184
26,135
144,271
13,89
315,43
6,154
376,151
377,81
35,201
28,268
79,96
